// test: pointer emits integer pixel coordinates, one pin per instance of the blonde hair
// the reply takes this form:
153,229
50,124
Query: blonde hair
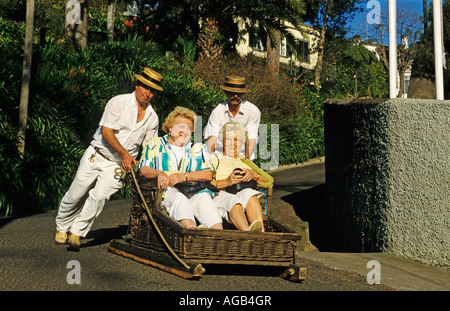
179,112
233,127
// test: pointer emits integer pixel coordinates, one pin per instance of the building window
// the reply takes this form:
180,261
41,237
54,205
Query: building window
284,48
256,43
304,52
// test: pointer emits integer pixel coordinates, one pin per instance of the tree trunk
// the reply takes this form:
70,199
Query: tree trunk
319,65
273,55
425,17
26,76
402,83
110,20
210,48
75,26
381,50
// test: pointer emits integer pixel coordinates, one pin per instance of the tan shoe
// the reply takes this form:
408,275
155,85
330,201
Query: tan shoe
60,238
74,242
256,226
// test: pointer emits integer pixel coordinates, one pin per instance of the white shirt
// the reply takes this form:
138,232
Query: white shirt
121,115
177,153
248,114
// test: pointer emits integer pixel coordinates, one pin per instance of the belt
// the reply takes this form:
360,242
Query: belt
101,154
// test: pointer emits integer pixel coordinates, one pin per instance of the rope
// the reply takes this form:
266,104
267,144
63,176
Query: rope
153,221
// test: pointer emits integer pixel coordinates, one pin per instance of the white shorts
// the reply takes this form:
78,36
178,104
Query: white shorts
225,201
200,207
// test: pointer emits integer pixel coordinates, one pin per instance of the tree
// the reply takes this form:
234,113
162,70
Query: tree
26,76
408,29
405,58
319,64
425,15
331,17
424,65
209,42
359,55
408,24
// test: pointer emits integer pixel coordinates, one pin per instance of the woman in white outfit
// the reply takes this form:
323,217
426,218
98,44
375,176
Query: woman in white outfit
173,159
243,208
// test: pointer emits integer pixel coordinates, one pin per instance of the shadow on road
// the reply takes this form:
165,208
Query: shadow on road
104,235
243,270
310,205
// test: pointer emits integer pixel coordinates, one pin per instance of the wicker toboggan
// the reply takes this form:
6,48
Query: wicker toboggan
275,247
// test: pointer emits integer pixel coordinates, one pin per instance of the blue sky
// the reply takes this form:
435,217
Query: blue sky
360,25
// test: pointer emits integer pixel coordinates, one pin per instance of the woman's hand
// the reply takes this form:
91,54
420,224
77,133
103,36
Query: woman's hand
249,175
176,178
162,180
235,177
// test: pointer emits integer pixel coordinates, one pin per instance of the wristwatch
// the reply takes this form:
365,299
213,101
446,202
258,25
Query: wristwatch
185,175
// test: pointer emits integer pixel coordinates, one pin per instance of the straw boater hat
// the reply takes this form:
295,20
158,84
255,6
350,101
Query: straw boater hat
235,84
151,78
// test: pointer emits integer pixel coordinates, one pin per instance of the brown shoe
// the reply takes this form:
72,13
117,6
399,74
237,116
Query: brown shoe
61,238
74,242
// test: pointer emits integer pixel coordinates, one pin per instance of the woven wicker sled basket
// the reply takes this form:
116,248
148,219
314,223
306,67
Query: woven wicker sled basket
275,247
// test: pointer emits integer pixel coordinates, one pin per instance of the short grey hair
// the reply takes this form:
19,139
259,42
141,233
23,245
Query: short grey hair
233,127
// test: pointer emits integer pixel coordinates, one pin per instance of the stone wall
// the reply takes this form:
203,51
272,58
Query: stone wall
388,177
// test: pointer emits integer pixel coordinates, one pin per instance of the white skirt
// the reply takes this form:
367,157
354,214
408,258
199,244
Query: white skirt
200,207
226,201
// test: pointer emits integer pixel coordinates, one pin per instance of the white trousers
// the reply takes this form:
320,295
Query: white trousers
93,185
225,201
200,207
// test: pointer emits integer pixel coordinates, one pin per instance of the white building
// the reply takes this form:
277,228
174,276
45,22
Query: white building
308,40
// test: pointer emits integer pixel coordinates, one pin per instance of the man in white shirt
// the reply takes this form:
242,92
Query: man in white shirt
235,109
128,122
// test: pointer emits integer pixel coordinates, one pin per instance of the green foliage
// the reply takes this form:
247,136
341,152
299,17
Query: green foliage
185,48
305,137
373,80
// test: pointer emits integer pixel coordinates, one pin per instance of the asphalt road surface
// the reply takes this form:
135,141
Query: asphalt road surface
30,260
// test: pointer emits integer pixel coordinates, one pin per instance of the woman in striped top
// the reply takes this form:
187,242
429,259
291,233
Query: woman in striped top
172,159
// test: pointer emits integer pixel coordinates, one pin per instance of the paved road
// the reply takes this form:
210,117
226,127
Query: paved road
30,260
